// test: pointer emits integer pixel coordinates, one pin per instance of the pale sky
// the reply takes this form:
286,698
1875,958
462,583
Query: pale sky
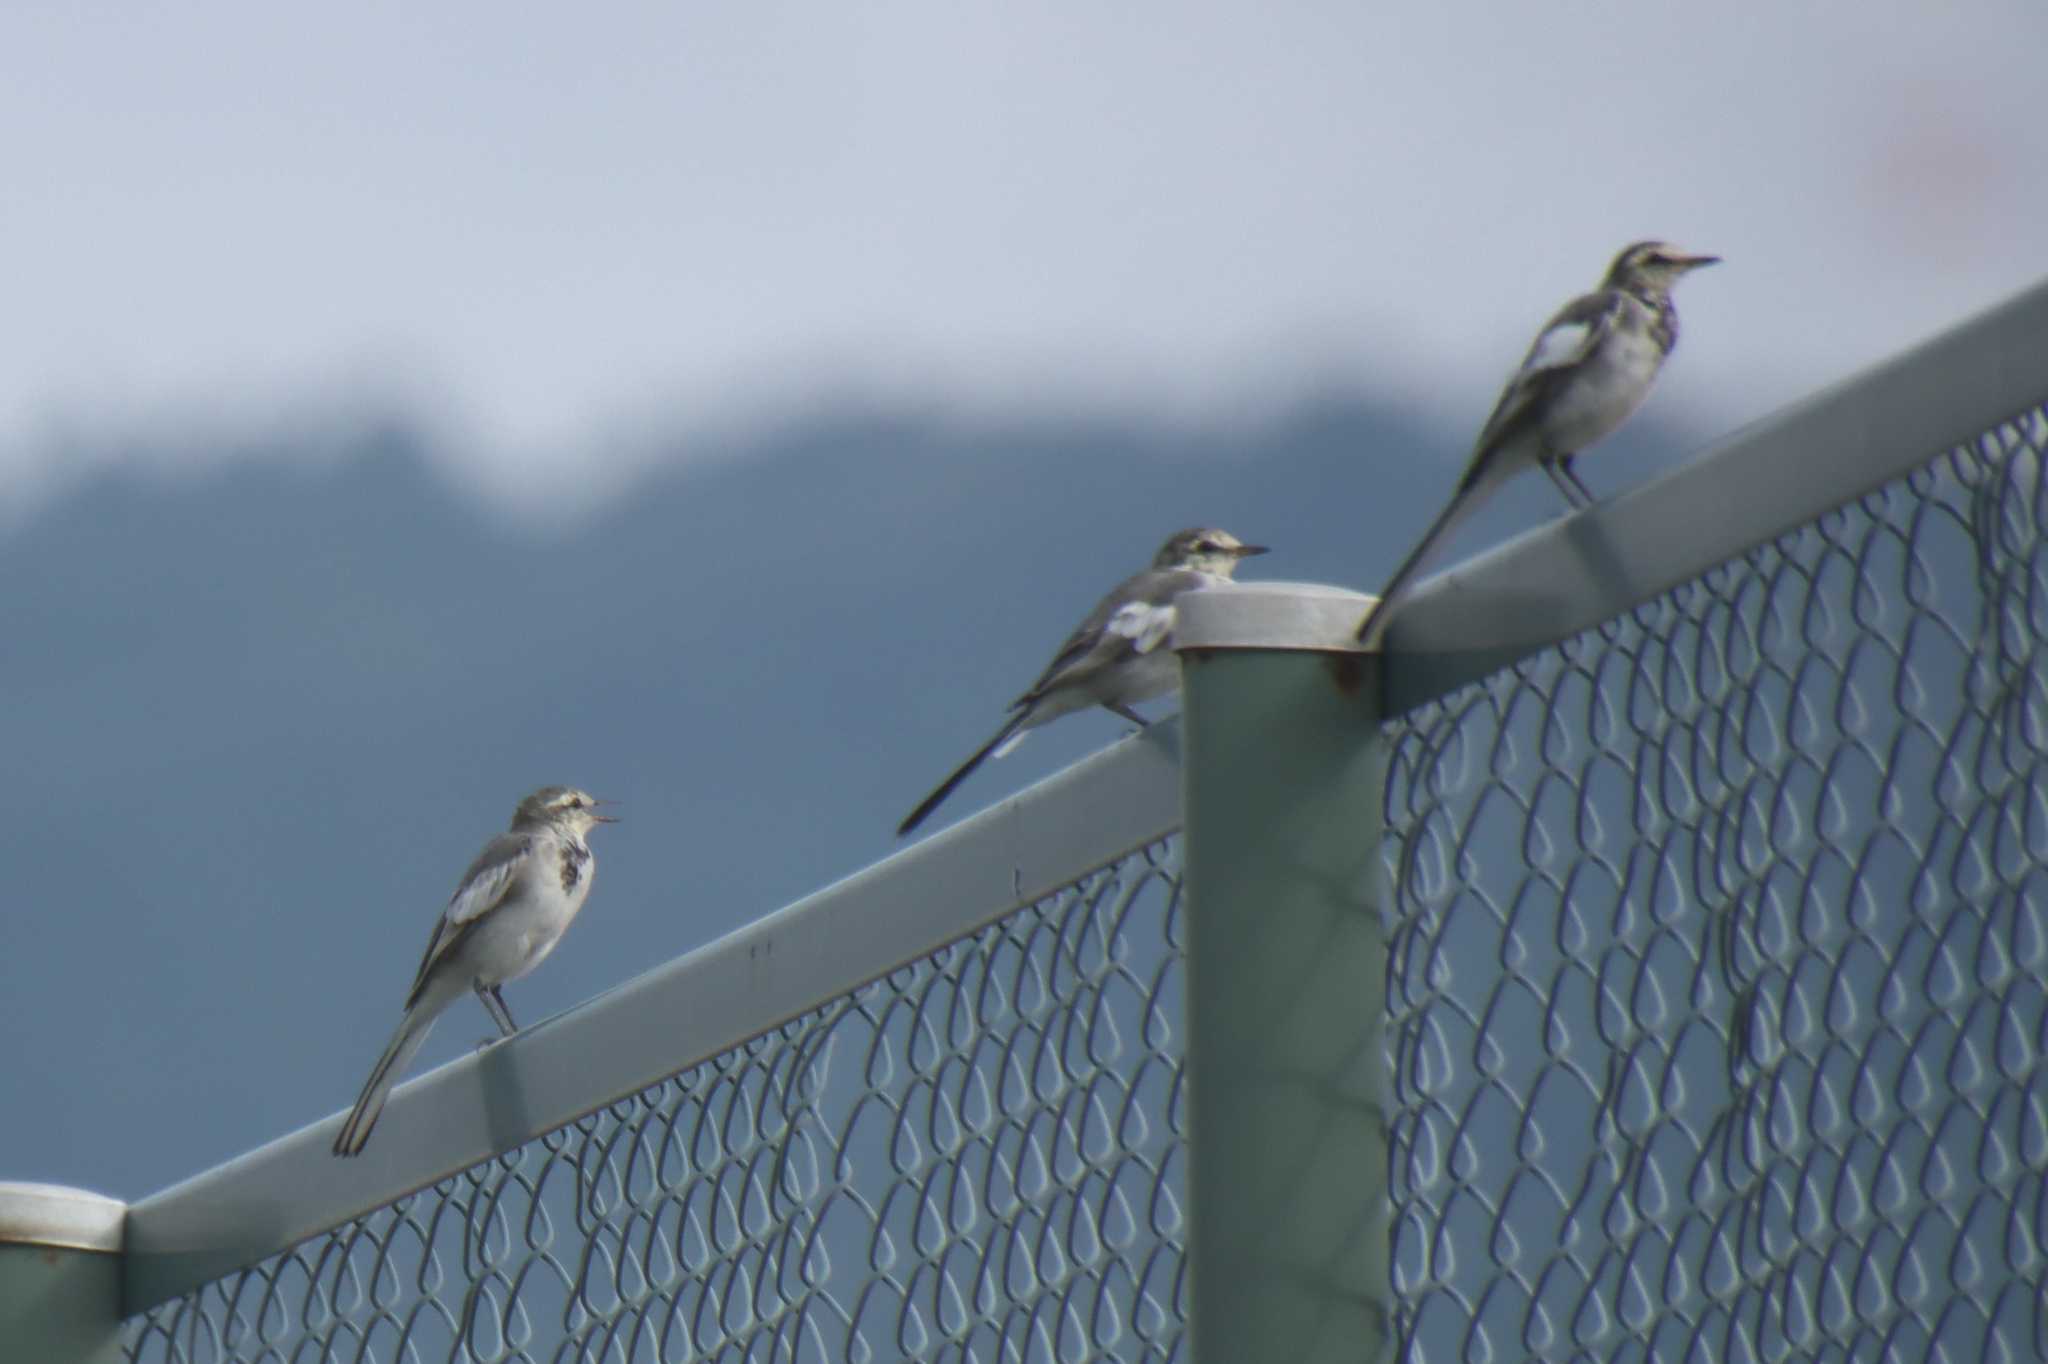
553,231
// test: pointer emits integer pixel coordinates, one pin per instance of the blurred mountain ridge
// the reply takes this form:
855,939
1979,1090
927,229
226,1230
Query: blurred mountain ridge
259,716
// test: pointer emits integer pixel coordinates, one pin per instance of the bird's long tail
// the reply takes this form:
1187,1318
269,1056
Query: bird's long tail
398,1053
1004,738
1471,493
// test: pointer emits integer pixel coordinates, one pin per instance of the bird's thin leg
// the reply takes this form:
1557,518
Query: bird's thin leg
1573,474
1121,709
494,1005
1575,494
504,1011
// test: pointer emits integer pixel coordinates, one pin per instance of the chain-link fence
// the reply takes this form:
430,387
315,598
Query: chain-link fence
977,1157
1715,1020
1717,985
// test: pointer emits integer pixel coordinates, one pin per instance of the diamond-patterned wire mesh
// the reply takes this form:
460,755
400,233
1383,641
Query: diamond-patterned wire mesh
1718,953
1717,961
978,1157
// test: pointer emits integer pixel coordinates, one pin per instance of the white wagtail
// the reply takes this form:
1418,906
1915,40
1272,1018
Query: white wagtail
1113,659
514,903
1591,366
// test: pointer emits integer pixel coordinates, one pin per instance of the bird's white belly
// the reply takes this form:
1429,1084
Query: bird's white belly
1143,678
531,927
1601,396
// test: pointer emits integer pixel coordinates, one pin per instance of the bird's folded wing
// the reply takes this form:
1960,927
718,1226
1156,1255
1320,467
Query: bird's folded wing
1567,341
1572,335
482,889
488,878
1135,618
1145,624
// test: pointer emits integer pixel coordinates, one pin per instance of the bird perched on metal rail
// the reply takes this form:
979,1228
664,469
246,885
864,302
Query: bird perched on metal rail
1116,657
512,907
1591,367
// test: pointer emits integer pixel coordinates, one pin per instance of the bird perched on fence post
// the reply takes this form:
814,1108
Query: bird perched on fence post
1115,657
1591,367
512,907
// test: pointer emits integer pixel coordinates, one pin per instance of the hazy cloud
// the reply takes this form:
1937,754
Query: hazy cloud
552,233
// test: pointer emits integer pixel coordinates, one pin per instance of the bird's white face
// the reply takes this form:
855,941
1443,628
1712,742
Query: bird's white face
1654,265
565,805
1206,550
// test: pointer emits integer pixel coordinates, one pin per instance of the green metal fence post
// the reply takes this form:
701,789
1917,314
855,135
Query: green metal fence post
60,1275
1283,777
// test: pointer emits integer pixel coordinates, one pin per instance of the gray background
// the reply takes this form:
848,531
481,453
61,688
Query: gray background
728,408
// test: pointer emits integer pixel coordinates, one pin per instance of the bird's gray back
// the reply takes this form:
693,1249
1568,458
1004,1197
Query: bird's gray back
1086,649
502,850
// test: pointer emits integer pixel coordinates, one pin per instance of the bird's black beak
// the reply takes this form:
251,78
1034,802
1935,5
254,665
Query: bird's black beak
605,819
1695,262
1246,551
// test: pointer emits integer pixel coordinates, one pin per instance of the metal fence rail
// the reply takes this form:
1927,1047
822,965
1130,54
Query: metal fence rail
953,1143
1714,1007
974,1157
